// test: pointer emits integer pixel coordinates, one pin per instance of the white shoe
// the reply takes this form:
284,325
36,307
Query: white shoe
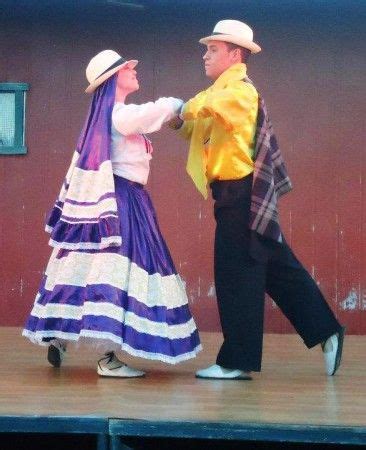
56,352
111,366
220,373
332,351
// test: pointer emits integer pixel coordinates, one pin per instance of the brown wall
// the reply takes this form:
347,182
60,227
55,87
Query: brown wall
312,73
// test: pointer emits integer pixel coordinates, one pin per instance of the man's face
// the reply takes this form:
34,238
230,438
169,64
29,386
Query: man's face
217,59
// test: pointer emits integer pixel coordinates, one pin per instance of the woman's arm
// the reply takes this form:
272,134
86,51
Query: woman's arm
145,118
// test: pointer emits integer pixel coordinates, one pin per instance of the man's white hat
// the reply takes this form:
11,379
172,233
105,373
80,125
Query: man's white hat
103,66
233,31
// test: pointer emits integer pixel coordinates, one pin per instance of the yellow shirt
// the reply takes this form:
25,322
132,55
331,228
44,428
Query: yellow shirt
221,124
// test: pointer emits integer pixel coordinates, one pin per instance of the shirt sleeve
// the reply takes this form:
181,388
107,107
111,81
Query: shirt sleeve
192,107
226,106
145,118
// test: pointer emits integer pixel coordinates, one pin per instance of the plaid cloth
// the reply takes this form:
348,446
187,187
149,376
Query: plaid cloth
270,179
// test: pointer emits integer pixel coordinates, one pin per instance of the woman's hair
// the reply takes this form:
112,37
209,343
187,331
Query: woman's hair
244,52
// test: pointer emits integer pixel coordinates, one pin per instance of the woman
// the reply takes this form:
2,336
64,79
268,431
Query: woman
110,279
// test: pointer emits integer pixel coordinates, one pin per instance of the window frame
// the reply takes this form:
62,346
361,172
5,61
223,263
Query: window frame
19,90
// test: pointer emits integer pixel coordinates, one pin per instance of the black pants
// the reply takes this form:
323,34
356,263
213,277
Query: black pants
242,280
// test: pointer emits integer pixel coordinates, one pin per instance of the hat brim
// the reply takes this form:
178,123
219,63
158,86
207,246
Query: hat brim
92,86
250,45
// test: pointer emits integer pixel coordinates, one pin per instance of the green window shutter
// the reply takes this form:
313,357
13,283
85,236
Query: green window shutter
12,118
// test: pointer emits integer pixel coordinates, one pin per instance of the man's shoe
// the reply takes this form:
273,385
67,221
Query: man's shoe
217,372
56,353
332,351
111,366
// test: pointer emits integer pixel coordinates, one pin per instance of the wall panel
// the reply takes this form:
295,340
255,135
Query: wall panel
312,75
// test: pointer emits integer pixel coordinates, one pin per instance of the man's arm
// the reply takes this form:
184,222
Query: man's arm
226,106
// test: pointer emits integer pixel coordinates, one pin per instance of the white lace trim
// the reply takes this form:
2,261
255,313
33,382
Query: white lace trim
89,211
103,309
87,185
39,335
82,269
76,221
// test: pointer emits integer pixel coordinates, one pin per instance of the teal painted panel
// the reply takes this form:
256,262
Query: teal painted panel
12,119
14,86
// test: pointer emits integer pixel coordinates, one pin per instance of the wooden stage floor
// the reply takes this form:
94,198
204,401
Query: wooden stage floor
290,400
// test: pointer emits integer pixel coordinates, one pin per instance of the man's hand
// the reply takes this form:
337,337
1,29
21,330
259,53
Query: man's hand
175,123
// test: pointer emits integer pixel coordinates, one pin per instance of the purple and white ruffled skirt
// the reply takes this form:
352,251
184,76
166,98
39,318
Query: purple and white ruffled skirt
128,297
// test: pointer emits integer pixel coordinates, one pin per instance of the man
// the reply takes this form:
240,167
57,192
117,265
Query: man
234,151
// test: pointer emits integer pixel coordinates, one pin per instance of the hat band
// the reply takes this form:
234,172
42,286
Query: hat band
217,32
117,63
226,34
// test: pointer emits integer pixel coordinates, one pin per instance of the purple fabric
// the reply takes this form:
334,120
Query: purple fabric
142,241
135,339
95,139
94,149
80,233
77,295
103,197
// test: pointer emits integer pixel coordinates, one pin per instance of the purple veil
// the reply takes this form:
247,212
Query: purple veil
85,213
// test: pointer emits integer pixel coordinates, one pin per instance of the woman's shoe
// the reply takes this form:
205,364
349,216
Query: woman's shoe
56,353
111,366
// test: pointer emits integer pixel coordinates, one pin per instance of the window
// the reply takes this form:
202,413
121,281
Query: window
12,118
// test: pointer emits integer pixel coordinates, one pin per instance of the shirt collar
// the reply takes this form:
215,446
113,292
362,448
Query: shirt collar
235,72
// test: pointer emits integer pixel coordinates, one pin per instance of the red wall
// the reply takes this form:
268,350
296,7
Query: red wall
312,74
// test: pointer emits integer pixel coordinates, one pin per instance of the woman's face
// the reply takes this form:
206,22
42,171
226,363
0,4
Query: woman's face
127,81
